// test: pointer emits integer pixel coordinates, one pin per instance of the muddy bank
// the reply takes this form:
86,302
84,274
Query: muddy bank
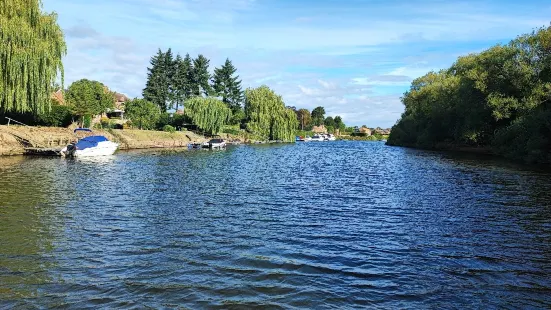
14,138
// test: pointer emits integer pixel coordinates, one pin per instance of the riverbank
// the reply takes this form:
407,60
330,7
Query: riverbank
363,138
11,138
450,147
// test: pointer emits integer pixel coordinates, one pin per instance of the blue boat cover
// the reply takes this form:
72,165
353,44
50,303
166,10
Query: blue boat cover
88,142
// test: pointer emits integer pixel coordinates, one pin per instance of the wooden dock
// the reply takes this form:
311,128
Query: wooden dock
43,151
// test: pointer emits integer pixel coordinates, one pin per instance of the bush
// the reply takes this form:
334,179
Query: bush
169,128
58,116
86,121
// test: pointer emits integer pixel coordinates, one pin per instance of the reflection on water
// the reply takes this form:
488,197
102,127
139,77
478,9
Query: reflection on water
317,225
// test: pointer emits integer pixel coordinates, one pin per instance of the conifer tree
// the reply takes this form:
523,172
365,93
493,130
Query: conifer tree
228,86
201,77
159,80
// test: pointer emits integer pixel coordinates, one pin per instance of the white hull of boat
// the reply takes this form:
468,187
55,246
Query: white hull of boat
104,148
218,145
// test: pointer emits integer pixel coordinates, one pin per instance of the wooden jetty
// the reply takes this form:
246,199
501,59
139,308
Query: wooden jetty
31,145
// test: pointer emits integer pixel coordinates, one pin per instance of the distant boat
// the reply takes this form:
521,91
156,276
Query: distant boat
215,144
317,137
300,139
330,137
95,145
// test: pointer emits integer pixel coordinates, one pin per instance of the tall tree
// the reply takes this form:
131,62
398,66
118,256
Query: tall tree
201,77
158,87
304,118
329,122
181,83
267,115
89,98
142,113
31,50
339,124
318,116
228,86
208,113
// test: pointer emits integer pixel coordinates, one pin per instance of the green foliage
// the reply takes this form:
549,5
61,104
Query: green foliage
89,97
304,118
200,77
181,85
159,79
232,130
31,50
339,124
267,115
57,116
237,116
228,86
318,116
86,121
304,133
168,128
208,113
329,122
499,97
143,114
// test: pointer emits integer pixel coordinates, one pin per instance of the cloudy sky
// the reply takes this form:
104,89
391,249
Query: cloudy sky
354,57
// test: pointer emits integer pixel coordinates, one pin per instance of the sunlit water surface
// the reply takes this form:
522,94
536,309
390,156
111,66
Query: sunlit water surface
315,225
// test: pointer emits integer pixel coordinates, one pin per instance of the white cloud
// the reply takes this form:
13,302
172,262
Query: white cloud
340,55
327,85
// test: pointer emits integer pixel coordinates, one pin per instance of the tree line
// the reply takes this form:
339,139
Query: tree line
499,98
173,80
211,101
31,49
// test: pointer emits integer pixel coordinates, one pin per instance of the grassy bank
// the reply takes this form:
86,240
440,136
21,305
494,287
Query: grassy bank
364,138
11,138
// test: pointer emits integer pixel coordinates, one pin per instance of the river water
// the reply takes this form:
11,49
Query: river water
315,225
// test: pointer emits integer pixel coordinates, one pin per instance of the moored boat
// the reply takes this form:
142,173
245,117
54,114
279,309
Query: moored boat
317,137
215,144
93,145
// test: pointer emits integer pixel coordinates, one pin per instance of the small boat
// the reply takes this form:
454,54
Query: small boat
317,137
93,145
194,145
307,139
215,144
299,139
330,137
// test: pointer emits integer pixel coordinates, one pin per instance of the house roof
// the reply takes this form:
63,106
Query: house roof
58,96
120,97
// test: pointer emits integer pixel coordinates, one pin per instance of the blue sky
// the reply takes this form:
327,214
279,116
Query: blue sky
354,57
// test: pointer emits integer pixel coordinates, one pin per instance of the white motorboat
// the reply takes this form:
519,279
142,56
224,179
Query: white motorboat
317,137
94,145
330,137
215,144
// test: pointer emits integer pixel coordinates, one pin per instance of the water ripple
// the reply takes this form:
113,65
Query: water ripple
315,225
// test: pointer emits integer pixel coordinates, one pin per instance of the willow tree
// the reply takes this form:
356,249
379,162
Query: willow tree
210,114
267,115
31,50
